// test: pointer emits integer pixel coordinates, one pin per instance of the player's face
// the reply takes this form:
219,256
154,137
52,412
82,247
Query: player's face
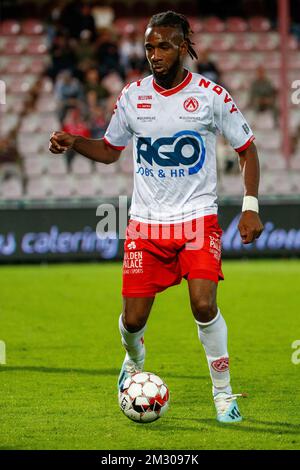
165,50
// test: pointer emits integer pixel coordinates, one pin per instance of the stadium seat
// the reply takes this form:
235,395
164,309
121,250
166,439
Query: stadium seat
295,165
48,121
9,123
38,65
293,43
267,41
85,186
236,25
55,166
294,60
81,166
17,65
259,24
30,123
231,185
32,26
46,87
22,84
227,62
46,103
4,63
11,188
221,42
29,144
37,187
34,166
37,45
61,186
15,46
236,81
244,42
104,170
271,60
213,25
249,61
112,186
264,121
196,24
275,161
295,117
10,27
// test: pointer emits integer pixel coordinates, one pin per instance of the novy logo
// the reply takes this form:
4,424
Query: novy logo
184,148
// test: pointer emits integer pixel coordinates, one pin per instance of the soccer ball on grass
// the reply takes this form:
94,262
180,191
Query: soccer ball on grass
144,397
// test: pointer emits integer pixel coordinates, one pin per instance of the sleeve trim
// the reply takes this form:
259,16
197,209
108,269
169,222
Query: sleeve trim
111,145
246,145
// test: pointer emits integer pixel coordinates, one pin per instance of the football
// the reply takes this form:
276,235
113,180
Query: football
144,397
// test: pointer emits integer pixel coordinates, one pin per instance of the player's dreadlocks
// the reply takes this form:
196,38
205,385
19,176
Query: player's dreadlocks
173,19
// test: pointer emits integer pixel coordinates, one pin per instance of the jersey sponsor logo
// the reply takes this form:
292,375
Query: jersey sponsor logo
144,105
191,104
144,97
185,148
221,365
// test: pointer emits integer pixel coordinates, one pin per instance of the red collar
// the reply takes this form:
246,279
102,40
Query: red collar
176,89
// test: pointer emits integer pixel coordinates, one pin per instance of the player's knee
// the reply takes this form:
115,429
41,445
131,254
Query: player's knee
133,323
204,309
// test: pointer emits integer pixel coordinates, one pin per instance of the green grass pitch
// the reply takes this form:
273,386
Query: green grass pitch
58,388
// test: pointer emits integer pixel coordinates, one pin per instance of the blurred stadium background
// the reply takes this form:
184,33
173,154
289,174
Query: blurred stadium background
63,65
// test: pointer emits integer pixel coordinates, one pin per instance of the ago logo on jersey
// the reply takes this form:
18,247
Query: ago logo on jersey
185,148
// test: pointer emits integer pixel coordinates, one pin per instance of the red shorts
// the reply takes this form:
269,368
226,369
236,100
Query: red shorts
158,256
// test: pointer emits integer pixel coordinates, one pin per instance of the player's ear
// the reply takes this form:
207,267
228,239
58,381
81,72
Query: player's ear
183,48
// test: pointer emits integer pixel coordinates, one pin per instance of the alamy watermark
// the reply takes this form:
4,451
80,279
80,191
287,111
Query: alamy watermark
296,354
154,225
296,94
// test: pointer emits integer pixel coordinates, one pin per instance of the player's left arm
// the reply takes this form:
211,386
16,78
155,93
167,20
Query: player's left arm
250,225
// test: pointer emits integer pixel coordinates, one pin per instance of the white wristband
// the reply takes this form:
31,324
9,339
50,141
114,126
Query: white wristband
250,203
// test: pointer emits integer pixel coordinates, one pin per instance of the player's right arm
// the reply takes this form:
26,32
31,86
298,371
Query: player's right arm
94,149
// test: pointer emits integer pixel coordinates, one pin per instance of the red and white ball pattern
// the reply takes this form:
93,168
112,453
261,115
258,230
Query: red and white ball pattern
144,397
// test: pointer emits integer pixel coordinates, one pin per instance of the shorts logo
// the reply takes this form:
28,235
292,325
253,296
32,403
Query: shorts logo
191,104
131,246
221,365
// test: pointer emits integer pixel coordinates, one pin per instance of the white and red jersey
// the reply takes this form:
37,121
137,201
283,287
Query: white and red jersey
174,145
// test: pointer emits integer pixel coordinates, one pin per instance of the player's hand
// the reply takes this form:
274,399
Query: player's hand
250,226
60,142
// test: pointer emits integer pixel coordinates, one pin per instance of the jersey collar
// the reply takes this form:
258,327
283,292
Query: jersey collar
176,89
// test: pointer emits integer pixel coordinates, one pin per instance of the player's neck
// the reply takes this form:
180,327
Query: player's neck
171,82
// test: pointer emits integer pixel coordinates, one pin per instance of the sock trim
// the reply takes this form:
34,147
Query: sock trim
210,322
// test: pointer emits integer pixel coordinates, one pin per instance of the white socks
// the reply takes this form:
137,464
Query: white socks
133,342
213,336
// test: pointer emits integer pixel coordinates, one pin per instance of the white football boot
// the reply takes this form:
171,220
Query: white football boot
130,367
227,407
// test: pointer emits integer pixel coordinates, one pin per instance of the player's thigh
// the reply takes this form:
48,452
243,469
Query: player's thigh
136,311
203,299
